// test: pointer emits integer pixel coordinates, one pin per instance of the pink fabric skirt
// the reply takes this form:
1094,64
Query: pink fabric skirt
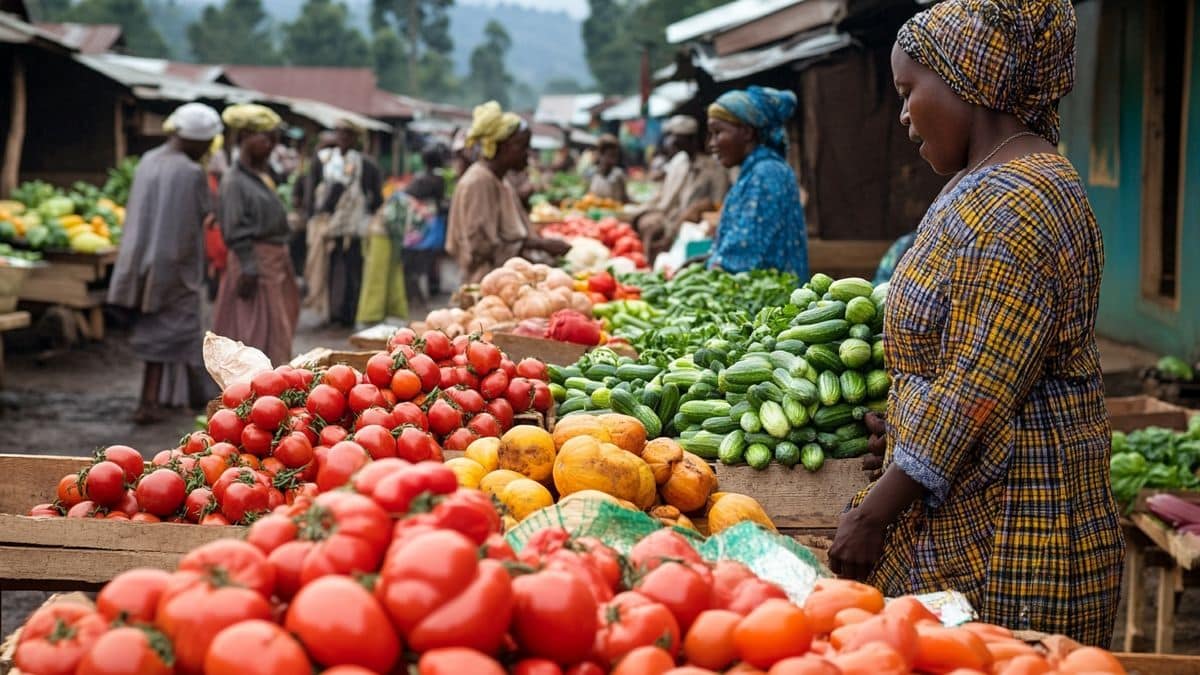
267,320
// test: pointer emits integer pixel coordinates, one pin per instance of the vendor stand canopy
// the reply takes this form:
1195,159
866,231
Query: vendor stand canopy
567,110
664,101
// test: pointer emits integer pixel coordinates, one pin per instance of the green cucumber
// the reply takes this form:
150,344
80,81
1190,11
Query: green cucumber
758,456
733,448
812,456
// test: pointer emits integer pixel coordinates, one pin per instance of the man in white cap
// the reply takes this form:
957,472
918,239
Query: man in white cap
694,183
159,273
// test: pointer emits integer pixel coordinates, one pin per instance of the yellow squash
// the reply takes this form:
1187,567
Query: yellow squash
585,463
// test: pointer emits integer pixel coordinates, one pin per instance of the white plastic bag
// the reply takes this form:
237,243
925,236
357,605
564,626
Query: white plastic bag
230,361
672,259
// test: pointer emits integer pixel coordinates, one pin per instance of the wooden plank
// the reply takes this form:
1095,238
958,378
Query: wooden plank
1183,548
518,347
795,497
27,480
13,144
13,321
33,567
848,257
1134,593
73,293
1164,620
787,22
116,535
1128,413
1159,664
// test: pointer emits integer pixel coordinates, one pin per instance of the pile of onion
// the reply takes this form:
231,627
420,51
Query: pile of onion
518,291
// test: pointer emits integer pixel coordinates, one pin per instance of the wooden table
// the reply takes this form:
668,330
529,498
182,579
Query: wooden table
1176,557
76,281
10,321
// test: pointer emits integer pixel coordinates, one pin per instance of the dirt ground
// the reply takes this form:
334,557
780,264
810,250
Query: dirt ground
82,399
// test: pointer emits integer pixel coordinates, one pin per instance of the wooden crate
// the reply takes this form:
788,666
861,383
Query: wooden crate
551,351
846,258
1129,413
76,553
796,498
69,279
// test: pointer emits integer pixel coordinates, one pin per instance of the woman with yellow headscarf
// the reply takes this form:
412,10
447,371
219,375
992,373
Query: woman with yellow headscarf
487,223
996,463
258,301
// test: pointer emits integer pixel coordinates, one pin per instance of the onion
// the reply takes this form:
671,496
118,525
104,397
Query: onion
580,302
557,278
509,294
532,304
519,265
438,318
498,279
455,329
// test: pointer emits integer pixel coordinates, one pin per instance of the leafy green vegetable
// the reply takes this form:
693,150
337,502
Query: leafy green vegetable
1155,457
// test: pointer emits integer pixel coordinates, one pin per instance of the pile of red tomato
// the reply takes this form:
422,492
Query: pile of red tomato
405,569
620,238
295,431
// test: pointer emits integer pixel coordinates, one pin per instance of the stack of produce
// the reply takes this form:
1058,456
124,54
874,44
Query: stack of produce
563,186
793,385
292,432
1179,513
1155,458
1175,369
42,217
404,572
620,240
518,291
603,456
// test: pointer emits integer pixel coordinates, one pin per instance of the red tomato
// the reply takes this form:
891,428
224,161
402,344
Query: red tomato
645,660
494,385
342,460
288,561
226,450
508,367
403,336
294,450
456,660
46,510
199,503
268,412
128,459
161,492
126,651
105,483
255,647
631,620
470,400
536,667
257,440
520,394
193,610
339,622
444,417
376,440
133,596
236,394
332,434
128,504
215,519
686,590
233,561
502,410
326,402
269,383
662,545
542,398
341,377
196,443
405,384
363,396
143,517
375,415
410,413
426,369
69,490
242,500
484,424
554,616
437,345
56,637
415,445
532,369
483,357
379,369
460,438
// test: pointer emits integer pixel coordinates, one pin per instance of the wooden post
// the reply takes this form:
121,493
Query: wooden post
1164,624
119,141
1134,566
16,129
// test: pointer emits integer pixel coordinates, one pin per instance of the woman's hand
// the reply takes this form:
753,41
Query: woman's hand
876,444
857,546
247,286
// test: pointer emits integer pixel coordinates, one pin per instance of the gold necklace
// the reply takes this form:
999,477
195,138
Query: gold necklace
1001,145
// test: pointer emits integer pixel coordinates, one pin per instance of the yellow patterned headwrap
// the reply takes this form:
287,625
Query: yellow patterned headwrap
491,126
251,117
1016,56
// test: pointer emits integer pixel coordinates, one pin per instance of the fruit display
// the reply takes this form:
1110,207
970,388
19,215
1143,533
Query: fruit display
790,386
292,432
620,240
42,217
403,571
517,291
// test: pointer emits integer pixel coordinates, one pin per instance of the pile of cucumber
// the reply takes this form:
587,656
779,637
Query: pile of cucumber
792,386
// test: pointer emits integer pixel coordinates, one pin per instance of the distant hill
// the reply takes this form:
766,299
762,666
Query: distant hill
546,45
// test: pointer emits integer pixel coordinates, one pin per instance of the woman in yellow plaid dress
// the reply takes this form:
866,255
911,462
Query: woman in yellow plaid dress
996,479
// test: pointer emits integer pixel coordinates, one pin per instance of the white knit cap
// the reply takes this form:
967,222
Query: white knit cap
194,122
683,125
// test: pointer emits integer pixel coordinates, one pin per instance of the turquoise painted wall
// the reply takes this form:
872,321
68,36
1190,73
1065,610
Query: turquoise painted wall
1092,134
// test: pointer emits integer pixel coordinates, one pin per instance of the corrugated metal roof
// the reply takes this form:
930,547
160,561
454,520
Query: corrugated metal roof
664,100
349,88
723,18
87,38
566,109
742,64
15,31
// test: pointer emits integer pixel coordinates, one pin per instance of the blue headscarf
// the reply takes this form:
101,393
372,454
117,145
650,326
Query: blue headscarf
763,108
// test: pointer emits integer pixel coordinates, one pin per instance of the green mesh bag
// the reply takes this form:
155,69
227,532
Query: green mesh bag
617,527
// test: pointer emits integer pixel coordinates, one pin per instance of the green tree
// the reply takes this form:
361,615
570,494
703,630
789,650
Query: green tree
388,58
564,85
322,36
424,28
237,32
435,78
141,38
49,10
616,31
489,77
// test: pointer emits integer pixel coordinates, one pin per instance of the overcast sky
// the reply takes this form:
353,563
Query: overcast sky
578,9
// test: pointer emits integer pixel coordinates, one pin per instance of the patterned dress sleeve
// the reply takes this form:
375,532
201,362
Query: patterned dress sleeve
996,337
